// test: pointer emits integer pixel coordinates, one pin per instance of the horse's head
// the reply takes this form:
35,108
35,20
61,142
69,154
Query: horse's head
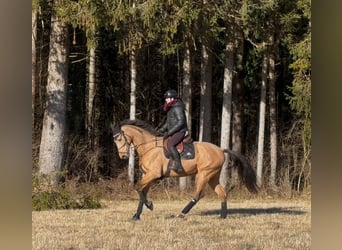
134,132
122,141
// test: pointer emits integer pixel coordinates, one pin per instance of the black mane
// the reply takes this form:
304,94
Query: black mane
140,124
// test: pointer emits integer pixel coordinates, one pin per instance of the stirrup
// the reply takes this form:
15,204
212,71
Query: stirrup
176,166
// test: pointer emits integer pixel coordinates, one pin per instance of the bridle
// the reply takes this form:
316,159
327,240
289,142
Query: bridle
126,144
129,141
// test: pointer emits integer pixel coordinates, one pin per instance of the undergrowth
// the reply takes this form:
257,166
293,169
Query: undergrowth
46,196
75,194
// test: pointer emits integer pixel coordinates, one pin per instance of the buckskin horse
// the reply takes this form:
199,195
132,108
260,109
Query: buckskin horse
206,164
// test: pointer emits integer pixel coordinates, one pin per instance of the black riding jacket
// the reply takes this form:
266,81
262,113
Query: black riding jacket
176,119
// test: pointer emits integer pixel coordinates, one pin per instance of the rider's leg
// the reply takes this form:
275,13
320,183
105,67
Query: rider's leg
176,164
174,140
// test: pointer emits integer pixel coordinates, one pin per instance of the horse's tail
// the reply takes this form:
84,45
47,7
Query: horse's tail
246,171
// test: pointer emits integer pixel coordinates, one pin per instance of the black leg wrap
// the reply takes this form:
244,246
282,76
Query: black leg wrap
136,216
147,203
224,210
189,206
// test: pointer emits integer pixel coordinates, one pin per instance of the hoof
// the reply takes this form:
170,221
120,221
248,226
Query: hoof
149,205
136,217
222,217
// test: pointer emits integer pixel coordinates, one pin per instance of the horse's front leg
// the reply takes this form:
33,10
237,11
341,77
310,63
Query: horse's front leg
143,198
136,216
142,201
142,189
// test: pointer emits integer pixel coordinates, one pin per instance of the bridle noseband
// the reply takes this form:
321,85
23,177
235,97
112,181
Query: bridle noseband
127,144
130,141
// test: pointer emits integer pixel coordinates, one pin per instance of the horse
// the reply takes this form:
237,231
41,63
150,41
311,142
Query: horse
206,164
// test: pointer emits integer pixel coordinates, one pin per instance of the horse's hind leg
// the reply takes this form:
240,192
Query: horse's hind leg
221,193
201,182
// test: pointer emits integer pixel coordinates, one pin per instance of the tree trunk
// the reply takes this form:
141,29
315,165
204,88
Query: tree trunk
93,146
273,111
205,100
91,96
187,101
262,111
132,108
53,132
238,101
226,107
132,113
34,64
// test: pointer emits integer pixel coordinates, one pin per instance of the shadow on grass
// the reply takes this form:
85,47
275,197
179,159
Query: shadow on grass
255,211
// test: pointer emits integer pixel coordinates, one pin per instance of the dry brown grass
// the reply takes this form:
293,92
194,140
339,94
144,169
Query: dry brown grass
251,224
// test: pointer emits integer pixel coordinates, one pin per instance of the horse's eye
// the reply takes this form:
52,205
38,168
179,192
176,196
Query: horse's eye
117,136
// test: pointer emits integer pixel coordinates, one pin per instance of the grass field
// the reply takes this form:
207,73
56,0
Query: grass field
251,224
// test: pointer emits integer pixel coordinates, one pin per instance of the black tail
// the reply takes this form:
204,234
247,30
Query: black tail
246,171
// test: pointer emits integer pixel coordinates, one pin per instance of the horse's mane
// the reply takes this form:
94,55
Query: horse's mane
140,124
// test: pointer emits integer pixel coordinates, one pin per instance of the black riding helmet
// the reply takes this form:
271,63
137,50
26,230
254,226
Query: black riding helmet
171,94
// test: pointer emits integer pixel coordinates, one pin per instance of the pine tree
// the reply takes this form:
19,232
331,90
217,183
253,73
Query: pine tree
51,153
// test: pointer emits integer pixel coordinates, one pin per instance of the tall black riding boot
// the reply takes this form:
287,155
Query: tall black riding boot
176,164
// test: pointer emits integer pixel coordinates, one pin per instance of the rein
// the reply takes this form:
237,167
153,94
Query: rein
156,139
126,142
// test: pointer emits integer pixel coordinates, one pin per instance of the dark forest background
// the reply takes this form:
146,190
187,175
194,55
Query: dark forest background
159,34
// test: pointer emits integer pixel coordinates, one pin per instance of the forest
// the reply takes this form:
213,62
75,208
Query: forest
242,68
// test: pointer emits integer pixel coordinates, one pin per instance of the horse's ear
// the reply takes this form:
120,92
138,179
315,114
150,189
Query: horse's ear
112,126
115,128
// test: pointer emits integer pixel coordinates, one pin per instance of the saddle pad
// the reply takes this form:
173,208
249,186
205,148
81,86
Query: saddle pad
185,149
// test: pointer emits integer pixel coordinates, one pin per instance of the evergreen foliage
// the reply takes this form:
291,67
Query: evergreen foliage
157,30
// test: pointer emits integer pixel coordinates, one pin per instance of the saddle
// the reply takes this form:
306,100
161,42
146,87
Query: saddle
185,148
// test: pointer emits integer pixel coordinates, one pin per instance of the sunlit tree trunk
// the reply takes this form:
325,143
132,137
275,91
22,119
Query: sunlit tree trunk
93,145
53,132
262,111
205,99
91,96
132,106
187,101
273,110
238,101
226,107
132,113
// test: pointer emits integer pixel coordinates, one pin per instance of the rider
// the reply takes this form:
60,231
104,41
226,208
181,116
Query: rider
175,126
